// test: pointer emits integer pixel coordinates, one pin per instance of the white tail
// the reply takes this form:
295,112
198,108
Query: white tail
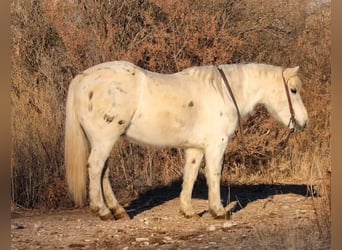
76,150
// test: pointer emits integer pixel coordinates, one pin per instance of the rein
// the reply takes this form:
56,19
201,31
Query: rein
282,144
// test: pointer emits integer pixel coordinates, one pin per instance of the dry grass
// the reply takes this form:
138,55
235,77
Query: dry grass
54,40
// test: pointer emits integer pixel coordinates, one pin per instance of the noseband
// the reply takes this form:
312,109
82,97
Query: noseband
283,143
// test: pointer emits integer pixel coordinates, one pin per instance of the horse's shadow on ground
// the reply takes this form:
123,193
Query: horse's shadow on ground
243,194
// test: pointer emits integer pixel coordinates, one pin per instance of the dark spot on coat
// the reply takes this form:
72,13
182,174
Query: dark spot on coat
108,118
221,113
104,68
120,90
91,95
193,161
191,104
133,74
90,106
121,122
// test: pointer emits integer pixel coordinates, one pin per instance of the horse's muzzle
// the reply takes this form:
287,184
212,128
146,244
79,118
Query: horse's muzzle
299,127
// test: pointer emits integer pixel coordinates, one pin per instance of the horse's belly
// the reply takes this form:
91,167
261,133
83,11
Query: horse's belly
162,129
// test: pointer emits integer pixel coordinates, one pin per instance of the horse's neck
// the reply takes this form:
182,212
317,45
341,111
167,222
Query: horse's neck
248,94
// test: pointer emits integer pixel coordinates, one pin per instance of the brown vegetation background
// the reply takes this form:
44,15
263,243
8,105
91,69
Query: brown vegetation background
52,41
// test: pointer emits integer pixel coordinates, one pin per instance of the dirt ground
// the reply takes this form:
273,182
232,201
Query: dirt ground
266,217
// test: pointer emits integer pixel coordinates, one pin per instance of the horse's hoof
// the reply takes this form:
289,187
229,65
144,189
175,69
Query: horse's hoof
225,216
220,215
191,216
105,214
108,216
122,216
94,210
188,215
120,213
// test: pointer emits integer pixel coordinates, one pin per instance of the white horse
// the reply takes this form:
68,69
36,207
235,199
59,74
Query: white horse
191,109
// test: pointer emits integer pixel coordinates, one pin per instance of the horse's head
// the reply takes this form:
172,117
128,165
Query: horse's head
285,103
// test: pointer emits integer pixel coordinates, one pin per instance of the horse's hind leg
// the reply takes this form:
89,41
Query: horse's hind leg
118,211
193,158
96,162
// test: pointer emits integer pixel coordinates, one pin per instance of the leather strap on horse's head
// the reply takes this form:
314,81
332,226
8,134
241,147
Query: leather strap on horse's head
292,118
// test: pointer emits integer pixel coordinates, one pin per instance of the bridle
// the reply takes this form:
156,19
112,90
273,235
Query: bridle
283,143
292,118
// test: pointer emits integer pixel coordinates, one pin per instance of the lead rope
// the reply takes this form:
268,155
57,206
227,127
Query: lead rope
284,142
223,75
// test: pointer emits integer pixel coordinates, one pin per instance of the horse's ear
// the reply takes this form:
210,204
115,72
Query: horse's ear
293,71
289,72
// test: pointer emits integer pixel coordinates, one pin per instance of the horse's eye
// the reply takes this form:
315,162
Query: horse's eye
293,90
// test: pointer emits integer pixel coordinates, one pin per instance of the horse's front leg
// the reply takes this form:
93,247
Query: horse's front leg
193,158
214,155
